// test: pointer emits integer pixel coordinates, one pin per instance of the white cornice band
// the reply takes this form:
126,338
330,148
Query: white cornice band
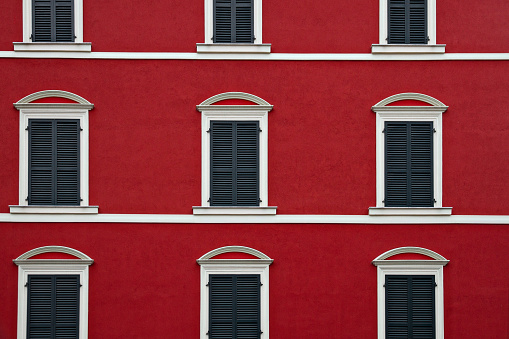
254,56
256,219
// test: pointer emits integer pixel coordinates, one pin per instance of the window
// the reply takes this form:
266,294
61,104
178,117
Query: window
409,157
53,294
234,295
407,26
410,295
52,25
233,26
234,156
53,154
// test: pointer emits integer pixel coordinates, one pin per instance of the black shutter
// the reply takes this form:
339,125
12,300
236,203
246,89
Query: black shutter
234,167
53,21
234,306
410,306
53,162
407,22
53,306
233,21
409,164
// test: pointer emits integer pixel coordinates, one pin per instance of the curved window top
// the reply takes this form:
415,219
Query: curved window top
28,100
260,103
436,105
262,258
25,257
437,259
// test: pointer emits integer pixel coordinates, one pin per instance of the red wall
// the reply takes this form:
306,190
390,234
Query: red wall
145,132
291,27
322,282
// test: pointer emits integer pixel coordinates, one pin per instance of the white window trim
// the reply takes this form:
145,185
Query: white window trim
234,266
258,112
29,110
431,113
27,266
411,267
210,47
383,45
27,44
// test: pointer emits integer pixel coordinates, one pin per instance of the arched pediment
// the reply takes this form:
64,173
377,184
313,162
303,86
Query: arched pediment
260,105
208,257
435,104
436,258
28,101
234,95
25,257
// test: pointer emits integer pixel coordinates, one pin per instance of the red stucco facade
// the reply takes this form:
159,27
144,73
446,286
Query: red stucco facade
145,162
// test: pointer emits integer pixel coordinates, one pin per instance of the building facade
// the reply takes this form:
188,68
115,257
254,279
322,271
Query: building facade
158,168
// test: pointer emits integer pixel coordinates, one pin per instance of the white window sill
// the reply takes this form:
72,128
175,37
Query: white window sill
436,211
233,48
407,49
255,210
15,209
52,46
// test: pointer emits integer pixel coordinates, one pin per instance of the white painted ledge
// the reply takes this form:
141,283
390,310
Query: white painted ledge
233,48
255,210
416,211
407,49
52,46
15,209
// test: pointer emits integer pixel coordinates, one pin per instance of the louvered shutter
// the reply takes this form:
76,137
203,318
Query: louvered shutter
409,164
407,22
53,306
53,21
233,21
234,306
234,163
410,306
53,165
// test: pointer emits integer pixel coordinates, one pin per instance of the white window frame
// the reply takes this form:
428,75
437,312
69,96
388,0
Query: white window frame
432,267
31,111
28,46
27,266
210,47
431,113
258,266
384,47
258,112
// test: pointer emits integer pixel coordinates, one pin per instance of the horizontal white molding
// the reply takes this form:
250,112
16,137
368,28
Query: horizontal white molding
407,49
384,211
16,209
255,56
232,48
254,219
204,210
52,47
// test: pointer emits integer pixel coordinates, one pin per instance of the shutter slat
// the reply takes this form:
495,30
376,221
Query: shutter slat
409,164
234,306
53,306
234,163
407,22
410,306
233,21
54,162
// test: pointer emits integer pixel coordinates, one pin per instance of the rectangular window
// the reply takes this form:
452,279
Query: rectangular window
54,162
234,310
233,21
409,164
53,306
407,22
53,21
410,306
234,163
